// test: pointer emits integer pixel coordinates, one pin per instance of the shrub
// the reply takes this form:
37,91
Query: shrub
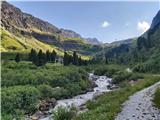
59,93
123,76
19,98
45,91
156,99
107,70
64,113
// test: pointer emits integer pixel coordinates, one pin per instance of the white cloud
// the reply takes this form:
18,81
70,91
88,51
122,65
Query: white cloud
105,24
143,26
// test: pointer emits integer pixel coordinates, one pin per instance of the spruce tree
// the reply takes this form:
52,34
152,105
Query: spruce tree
48,56
70,58
75,58
106,59
79,61
65,59
41,58
17,58
53,56
32,55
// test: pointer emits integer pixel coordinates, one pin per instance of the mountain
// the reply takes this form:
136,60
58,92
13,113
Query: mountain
93,41
127,41
156,20
143,53
13,18
69,33
22,31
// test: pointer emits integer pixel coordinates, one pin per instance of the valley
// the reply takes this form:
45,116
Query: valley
51,73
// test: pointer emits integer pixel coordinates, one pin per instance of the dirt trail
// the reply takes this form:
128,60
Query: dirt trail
140,106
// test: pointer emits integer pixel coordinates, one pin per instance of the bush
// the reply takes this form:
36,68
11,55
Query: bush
59,93
156,99
106,70
19,98
64,113
46,91
123,76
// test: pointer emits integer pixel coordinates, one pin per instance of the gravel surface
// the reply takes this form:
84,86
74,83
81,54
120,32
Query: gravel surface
140,106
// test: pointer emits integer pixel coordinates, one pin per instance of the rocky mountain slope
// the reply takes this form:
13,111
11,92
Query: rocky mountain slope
156,20
22,31
93,41
127,41
71,34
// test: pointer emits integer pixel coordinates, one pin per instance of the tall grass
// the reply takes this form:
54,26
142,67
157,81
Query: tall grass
156,99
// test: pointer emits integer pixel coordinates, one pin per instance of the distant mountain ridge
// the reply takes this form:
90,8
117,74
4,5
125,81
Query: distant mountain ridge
93,41
71,34
127,41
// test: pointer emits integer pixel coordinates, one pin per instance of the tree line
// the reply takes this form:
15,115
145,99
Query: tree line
40,58
73,59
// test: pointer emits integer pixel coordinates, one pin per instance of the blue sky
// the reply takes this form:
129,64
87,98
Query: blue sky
107,21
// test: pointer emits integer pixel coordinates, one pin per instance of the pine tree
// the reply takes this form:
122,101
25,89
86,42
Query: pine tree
106,59
48,56
53,56
32,55
70,58
41,58
75,58
65,59
79,61
17,58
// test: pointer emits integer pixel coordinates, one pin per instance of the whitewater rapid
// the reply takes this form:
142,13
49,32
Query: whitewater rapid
101,81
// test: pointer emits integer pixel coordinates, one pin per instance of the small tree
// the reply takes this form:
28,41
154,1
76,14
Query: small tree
53,56
17,58
48,56
66,59
106,59
79,61
33,56
41,58
75,58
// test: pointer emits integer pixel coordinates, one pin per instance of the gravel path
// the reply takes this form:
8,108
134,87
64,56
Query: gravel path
140,106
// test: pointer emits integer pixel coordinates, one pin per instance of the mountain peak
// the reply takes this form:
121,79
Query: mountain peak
93,41
13,17
156,20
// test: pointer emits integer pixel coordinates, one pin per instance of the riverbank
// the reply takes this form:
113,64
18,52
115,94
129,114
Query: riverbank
108,105
101,82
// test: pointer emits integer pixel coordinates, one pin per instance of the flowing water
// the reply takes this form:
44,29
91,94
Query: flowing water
101,81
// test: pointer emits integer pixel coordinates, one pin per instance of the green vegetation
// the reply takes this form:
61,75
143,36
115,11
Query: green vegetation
17,58
23,84
11,43
156,99
17,99
106,106
64,113
73,59
143,55
78,40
